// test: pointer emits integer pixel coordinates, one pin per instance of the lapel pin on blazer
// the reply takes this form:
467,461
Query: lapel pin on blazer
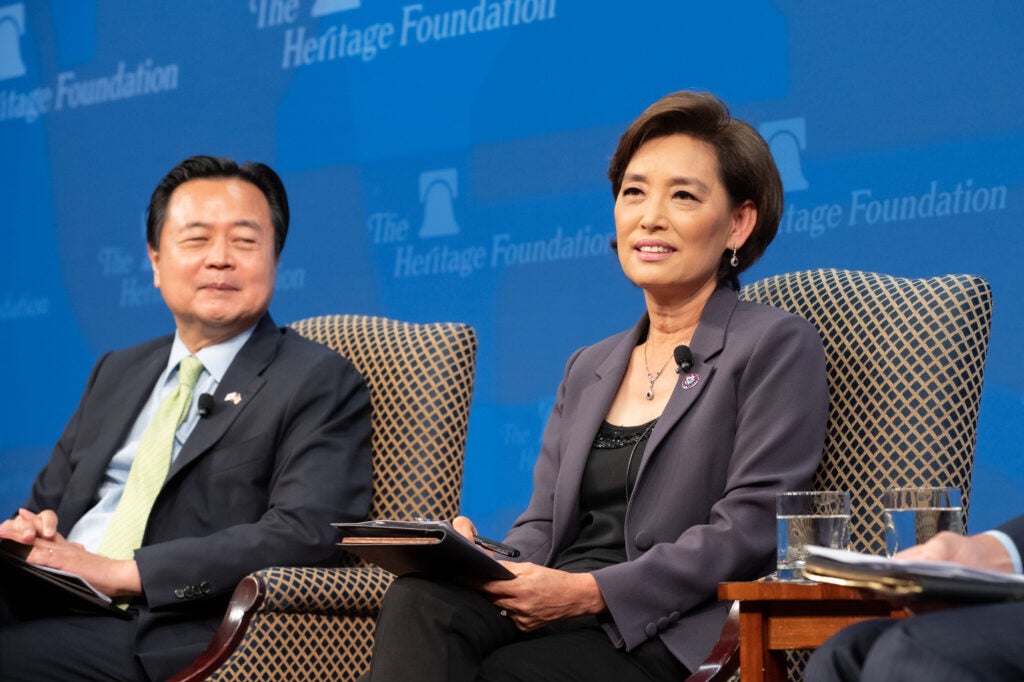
234,398
690,380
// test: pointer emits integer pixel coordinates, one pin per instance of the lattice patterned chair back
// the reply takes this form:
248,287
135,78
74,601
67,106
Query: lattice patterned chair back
906,359
421,381
313,624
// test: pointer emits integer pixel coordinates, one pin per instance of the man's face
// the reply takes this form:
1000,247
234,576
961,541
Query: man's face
215,265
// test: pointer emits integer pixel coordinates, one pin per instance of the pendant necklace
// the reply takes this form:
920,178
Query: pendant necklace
651,378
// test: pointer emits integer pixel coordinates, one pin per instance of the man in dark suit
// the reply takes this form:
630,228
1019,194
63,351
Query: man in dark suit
254,477
979,643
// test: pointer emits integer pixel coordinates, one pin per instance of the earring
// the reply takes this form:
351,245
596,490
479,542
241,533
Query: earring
734,261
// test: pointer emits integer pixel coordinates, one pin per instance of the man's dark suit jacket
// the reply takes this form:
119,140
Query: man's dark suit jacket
969,642
1015,529
258,482
747,422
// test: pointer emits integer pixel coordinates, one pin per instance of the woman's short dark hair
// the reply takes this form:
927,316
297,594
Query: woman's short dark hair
745,164
196,167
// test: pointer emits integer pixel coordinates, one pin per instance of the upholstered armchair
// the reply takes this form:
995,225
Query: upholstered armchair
314,624
905,361
905,358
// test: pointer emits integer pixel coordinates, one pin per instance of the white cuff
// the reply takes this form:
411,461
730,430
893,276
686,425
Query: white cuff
1011,548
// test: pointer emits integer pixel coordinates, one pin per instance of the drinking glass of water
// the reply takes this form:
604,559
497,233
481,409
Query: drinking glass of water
809,518
913,515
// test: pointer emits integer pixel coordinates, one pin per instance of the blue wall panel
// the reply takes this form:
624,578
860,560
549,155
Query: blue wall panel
446,161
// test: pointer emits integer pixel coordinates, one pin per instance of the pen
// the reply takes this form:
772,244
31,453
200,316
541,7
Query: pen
495,546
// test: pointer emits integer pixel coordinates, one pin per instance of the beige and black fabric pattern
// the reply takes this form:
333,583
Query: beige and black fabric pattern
421,383
906,359
315,624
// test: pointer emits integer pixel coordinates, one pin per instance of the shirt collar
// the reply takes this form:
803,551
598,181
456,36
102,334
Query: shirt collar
216,358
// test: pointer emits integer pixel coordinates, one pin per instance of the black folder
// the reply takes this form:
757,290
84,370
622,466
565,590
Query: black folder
931,580
430,548
67,587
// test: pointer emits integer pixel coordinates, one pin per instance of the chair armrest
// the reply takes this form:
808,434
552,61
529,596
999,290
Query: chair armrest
355,591
244,603
724,659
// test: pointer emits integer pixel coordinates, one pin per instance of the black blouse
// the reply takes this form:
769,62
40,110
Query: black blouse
608,478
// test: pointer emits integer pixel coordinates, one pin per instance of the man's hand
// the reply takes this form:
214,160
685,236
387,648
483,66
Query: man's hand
538,596
27,526
977,551
112,577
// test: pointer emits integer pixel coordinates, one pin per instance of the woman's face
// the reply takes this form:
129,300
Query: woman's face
673,218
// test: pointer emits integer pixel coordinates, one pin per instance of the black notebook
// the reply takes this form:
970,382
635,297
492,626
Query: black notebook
431,548
68,586
937,580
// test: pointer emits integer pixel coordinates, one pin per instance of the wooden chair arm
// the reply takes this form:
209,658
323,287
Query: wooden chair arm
724,659
245,600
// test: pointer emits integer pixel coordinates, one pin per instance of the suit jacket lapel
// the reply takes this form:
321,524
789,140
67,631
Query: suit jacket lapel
134,397
708,341
125,406
241,383
595,400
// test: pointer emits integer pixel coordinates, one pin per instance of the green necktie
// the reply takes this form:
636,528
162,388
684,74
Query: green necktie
150,467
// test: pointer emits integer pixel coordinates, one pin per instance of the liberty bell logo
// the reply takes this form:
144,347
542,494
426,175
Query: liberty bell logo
12,27
786,139
437,190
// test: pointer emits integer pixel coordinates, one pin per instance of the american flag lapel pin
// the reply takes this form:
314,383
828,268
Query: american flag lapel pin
234,398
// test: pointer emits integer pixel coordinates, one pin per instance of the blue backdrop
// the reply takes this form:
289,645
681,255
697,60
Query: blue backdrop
446,160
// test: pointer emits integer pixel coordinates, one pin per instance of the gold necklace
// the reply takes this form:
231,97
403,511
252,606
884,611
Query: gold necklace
651,378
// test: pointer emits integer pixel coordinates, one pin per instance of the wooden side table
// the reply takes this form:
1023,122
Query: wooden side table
776,616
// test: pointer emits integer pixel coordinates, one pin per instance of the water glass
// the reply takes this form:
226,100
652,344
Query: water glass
913,515
809,518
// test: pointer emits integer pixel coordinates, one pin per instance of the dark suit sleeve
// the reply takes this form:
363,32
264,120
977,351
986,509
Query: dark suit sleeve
1014,528
297,460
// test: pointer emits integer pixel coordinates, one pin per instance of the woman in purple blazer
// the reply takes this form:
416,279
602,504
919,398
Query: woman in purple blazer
666,446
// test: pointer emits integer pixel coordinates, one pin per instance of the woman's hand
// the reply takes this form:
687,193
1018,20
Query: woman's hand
538,596
465,527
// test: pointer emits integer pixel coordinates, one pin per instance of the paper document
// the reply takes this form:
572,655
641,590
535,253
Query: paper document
897,577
